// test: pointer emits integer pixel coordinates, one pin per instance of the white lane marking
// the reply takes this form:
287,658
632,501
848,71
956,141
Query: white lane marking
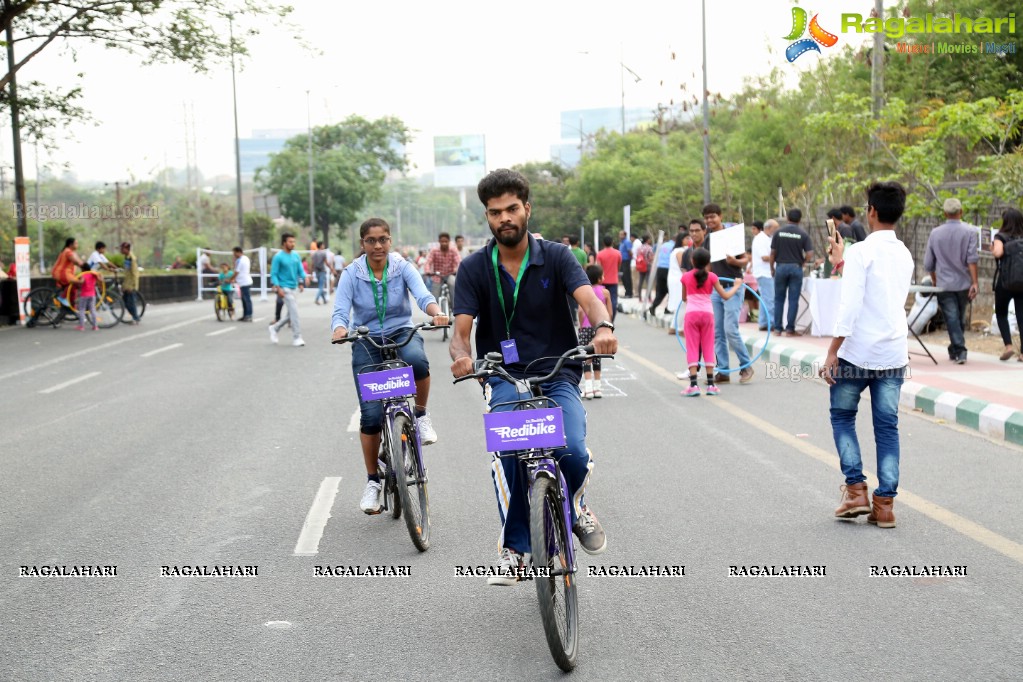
316,520
84,377
102,346
222,331
160,350
353,423
258,319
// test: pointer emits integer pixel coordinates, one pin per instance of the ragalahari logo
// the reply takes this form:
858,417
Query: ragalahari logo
804,45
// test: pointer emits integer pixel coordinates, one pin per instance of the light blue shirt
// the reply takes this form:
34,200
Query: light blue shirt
286,270
664,254
354,305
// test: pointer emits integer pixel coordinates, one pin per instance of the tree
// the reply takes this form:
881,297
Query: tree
258,228
552,213
188,31
351,159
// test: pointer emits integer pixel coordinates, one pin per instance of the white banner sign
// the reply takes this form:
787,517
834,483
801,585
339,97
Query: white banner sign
730,241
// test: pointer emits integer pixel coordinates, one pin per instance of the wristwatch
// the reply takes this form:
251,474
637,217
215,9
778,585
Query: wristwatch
607,324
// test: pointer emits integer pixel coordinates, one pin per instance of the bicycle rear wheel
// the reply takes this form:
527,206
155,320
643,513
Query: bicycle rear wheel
549,536
391,499
109,310
40,308
219,308
411,481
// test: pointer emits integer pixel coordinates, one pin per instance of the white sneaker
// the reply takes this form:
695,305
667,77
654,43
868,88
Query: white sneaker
427,436
371,498
587,389
297,341
509,567
273,334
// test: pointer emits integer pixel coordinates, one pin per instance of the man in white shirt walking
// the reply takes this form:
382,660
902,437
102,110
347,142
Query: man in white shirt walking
870,351
243,278
761,269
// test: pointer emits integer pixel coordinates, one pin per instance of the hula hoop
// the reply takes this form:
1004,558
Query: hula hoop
756,357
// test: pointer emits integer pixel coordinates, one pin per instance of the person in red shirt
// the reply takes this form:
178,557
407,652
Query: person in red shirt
610,259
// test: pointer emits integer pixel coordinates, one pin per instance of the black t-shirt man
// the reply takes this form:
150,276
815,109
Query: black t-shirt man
542,324
790,244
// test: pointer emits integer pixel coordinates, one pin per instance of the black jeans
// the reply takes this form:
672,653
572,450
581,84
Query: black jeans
1002,298
626,278
129,304
661,278
953,307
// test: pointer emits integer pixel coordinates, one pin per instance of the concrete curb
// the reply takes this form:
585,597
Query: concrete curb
991,419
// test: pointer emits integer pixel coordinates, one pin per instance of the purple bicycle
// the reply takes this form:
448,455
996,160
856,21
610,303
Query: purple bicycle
531,432
401,453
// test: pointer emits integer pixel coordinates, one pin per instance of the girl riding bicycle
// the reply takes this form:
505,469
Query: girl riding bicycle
374,292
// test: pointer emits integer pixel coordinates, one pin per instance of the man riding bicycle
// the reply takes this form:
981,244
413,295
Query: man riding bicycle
444,261
518,288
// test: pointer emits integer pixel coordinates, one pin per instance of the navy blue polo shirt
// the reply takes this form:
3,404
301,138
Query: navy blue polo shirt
542,326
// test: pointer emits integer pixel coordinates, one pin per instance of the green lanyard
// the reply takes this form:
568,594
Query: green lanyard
515,293
377,296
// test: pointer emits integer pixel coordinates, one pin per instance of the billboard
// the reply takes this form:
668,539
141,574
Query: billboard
459,160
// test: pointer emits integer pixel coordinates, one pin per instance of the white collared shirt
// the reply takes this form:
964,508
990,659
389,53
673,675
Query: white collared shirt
761,247
872,314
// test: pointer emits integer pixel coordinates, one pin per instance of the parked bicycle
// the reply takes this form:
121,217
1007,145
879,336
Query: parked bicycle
405,478
443,299
531,432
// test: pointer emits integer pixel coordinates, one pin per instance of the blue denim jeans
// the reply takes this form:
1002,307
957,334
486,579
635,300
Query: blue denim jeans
573,459
788,279
246,301
129,304
953,307
726,331
766,291
321,284
885,387
364,354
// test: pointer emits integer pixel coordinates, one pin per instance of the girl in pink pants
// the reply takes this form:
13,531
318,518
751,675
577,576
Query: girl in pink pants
697,285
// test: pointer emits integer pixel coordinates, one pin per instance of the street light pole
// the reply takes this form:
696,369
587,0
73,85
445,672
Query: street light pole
237,145
312,203
19,176
706,114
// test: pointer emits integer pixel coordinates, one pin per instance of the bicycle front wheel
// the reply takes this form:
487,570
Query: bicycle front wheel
109,310
445,309
219,308
550,538
411,481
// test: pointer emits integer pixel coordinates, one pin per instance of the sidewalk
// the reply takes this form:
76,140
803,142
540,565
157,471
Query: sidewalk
985,394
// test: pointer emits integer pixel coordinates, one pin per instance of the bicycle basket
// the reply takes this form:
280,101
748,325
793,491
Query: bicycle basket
394,382
524,429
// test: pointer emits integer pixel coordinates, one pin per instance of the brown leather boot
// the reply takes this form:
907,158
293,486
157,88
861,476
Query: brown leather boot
882,515
854,501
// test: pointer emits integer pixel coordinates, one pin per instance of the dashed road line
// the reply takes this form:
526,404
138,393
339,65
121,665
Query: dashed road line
160,350
221,331
316,520
84,377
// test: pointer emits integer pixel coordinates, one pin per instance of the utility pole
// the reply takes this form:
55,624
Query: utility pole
237,146
312,201
19,176
39,219
706,113
117,193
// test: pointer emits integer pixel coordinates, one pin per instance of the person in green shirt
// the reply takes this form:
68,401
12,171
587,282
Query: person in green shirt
580,255
130,284
225,286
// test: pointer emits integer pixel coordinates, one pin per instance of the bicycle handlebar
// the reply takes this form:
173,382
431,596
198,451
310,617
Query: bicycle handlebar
362,332
491,365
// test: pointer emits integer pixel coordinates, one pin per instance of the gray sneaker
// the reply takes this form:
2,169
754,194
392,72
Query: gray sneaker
590,533
509,568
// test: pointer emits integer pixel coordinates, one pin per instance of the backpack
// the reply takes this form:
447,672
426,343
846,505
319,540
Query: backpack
1010,267
641,262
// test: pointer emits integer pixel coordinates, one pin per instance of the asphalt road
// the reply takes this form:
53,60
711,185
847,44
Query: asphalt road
195,442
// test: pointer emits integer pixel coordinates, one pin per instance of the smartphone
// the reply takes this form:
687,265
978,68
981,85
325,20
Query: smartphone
831,229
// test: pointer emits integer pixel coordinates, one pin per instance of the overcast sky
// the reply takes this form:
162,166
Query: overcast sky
446,68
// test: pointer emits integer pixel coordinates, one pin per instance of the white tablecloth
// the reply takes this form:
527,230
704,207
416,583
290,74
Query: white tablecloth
825,296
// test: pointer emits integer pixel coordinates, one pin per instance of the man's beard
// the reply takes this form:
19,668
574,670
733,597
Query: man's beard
505,238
